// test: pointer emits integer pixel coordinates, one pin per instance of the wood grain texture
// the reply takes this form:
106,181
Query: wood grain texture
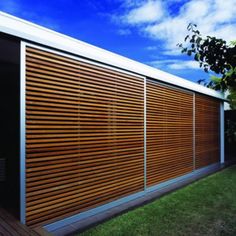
169,133
11,226
84,136
207,131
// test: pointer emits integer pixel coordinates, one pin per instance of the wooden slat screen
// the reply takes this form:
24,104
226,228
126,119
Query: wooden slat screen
84,136
207,121
169,133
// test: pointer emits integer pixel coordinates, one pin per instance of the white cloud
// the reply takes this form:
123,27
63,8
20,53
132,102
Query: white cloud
150,11
175,64
226,10
152,48
184,65
213,17
124,31
195,10
131,3
226,32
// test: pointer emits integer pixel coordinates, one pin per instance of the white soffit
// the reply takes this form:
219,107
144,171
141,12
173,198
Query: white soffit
34,33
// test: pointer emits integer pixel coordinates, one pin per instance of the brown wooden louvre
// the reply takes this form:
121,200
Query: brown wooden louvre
207,130
84,136
169,133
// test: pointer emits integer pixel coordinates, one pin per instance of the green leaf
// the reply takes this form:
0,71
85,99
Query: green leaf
232,43
215,79
199,39
185,39
196,57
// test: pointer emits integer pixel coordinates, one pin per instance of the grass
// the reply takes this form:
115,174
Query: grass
206,207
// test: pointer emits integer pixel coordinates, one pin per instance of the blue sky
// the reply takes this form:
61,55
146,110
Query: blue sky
143,30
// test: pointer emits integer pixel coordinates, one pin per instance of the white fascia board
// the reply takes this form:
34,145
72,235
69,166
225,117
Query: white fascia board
34,33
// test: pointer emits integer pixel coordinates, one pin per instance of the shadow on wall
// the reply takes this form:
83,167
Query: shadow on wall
9,123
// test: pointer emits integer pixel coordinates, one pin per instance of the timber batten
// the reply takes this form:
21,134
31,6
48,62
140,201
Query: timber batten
207,131
85,135
169,133
98,130
100,165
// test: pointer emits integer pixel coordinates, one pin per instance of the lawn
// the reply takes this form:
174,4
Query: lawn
206,207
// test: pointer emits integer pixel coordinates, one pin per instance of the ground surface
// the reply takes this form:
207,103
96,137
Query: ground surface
206,207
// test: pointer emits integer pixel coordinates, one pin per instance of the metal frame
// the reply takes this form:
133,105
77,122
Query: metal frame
22,134
145,133
110,205
184,91
194,134
23,131
222,134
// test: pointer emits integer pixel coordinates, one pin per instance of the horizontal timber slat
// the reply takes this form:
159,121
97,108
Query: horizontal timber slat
207,131
169,133
84,135
71,209
74,63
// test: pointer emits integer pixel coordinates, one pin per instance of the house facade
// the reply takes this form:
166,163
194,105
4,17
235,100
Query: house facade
86,129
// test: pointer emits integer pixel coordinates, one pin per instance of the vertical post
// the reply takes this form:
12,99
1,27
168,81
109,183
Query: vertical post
22,132
194,141
145,135
222,135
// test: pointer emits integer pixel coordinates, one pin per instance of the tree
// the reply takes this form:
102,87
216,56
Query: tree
213,54
232,99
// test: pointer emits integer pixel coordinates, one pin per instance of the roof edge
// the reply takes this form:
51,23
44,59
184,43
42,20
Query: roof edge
29,31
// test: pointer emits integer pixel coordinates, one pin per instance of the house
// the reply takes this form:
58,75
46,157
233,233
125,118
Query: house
85,129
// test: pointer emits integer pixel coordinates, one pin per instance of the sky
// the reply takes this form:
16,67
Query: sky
144,30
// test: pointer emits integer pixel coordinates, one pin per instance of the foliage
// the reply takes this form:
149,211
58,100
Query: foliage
232,98
213,54
206,207
230,131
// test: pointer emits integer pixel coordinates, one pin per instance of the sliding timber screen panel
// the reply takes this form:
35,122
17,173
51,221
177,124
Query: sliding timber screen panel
84,136
207,120
169,133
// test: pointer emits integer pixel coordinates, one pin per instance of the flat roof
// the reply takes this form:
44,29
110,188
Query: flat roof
34,33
